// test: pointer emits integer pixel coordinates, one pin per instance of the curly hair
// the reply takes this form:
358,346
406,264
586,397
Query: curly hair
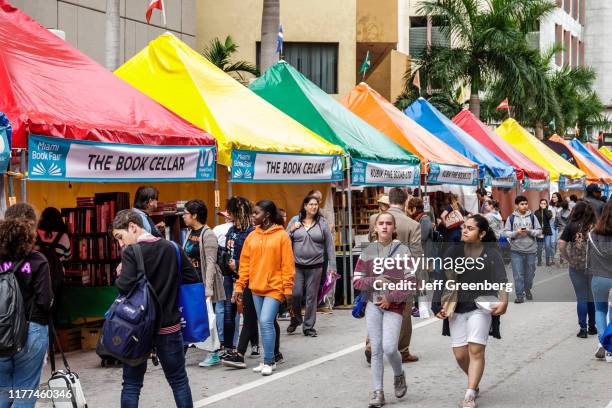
21,211
241,209
17,239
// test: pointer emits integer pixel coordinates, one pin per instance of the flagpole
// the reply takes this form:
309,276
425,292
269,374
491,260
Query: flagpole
164,13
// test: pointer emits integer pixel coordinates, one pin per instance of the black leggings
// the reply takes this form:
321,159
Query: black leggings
250,328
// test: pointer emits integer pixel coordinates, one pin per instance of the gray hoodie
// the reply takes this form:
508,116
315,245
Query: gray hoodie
310,247
525,244
599,255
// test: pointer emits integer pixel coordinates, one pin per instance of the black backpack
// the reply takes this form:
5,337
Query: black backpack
56,267
13,321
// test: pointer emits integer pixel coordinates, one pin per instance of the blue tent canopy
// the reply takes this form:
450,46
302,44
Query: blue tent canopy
426,115
576,144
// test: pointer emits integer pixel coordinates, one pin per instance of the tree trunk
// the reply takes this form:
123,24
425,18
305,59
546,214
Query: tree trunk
475,105
539,130
112,34
270,20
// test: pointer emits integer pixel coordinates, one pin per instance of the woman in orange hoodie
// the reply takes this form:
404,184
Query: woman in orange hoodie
267,268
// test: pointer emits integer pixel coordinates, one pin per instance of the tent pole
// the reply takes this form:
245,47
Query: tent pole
350,225
2,196
216,187
343,241
230,186
22,169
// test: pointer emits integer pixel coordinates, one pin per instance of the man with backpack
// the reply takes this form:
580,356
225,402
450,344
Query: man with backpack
160,264
522,229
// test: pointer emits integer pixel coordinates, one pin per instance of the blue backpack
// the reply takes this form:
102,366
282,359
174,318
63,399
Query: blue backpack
132,321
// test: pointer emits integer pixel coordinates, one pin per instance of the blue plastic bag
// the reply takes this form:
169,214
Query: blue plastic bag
606,338
359,305
192,306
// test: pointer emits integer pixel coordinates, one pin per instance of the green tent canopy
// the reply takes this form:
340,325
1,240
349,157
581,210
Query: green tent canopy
286,88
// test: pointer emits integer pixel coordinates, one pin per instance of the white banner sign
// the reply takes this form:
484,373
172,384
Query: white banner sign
450,174
367,173
253,166
59,159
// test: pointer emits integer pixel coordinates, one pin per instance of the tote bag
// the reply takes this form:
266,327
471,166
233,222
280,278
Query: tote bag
193,308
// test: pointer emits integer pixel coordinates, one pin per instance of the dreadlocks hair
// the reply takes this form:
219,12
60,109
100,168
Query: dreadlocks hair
240,209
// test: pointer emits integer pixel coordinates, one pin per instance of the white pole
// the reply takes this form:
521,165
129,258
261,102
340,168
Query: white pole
164,13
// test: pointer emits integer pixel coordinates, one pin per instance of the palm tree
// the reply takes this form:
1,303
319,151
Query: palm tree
270,20
219,53
112,34
490,42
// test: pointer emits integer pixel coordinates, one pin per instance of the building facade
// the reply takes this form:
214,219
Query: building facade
84,23
319,36
598,55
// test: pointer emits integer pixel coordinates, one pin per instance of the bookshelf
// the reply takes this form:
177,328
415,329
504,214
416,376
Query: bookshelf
95,254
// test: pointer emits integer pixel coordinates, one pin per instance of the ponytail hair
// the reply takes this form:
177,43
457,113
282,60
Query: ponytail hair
483,225
269,207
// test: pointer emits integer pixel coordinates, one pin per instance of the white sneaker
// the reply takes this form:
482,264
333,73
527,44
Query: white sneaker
608,357
268,369
258,368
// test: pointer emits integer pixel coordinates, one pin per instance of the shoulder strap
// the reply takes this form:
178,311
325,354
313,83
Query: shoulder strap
532,218
593,245
178,257
140,268
393,250
512,217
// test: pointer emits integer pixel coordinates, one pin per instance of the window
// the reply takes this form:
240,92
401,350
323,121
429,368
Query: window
316,61
418,36
567,5
575,9
581,53
558,41
574,52
581,12
566,47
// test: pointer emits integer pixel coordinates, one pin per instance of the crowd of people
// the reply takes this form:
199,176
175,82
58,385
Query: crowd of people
256,264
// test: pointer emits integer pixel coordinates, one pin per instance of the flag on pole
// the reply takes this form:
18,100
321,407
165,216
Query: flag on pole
279,41
156,4
503,105
464,95
365,66
416,81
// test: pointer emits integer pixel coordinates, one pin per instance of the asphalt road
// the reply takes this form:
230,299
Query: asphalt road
539,362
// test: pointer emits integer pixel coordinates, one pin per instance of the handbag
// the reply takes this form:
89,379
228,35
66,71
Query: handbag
453,219
192,307
65,385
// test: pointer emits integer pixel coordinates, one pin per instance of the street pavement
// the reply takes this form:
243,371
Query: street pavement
539,362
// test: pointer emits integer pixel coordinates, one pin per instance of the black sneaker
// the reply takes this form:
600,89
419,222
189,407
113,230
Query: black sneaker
592,331
528,294
368,355
233,360
279,358
254,352
582,334
519,300
291,328
310,333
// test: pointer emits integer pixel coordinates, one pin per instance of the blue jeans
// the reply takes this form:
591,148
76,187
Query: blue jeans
231,319
603,314
22,371
523,271
547,244
172,359
220,314
584,303
267,309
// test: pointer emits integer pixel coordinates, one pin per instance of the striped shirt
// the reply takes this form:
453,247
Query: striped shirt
62,248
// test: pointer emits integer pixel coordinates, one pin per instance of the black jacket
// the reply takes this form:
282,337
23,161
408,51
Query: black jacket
34,281
544,217
161,267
